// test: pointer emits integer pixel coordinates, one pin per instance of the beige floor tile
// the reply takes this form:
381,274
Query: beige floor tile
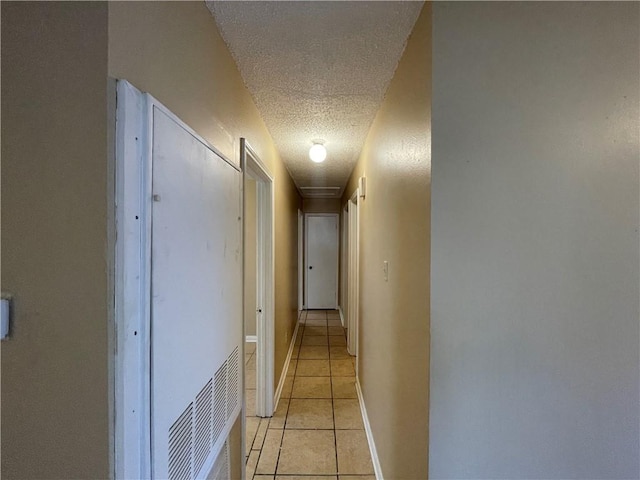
280,415
286,387
295,352
338,351
291,371
316,314
355,477
308,452
251,363
315,340
252,461
311,387
311,330
249,347
313,368
334,323
306,477
310,414
270,451
342,368
344,387
251,403
262,477
316,322
353,452
250,379
260,434
347,414
314,352
336,331
251,429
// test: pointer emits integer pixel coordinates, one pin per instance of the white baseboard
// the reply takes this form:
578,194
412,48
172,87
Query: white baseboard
367,428
341,316
251,338
283,375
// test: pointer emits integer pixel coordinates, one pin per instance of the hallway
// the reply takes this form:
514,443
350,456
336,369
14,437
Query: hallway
317,429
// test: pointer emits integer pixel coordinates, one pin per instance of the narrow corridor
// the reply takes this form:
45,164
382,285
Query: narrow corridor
317,429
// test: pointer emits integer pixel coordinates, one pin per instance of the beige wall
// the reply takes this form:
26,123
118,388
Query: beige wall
321,205
250,257
535,356
173,51
55,414
395,226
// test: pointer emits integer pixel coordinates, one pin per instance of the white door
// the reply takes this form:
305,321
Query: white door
196,301
322,261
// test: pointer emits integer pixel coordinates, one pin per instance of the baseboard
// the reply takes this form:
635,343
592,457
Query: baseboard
251,338
285,369
341,316
367,428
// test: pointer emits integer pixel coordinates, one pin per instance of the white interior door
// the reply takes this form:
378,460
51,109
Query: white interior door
322,261
196,301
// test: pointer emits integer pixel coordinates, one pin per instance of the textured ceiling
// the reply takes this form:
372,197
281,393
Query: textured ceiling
317,71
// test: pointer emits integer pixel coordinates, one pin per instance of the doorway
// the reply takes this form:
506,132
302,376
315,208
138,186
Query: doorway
259,304
321,259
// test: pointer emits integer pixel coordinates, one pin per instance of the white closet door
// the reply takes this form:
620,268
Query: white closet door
322,261
196,301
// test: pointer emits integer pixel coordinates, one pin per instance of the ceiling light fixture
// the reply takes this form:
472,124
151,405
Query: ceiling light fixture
317,153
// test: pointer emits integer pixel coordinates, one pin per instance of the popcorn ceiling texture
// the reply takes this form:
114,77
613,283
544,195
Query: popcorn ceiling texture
317,71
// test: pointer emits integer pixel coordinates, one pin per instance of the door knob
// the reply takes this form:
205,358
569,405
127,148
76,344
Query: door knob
259,310
310,268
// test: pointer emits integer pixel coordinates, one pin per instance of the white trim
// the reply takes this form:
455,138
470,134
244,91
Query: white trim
285,369
132,429
341,316
300,261
367,428
353,276
265,351
251,339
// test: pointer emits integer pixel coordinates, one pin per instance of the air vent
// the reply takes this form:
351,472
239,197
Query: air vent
233,382
202,441
180,446
321,192
219,401
197,430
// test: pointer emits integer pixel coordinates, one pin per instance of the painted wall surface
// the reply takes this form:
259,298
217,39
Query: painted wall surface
321,205
250,257
55,411
395,226
173,51
535,250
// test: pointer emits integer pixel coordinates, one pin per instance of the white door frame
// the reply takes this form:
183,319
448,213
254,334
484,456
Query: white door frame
344,264
253,167
300,261
306,253
354,274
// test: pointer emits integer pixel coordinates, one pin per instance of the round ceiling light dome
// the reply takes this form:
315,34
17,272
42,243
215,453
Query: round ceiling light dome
317,153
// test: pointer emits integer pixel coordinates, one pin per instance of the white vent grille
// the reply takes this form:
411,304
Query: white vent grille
219,401
180,446
194,434
321,192
202,442
233,382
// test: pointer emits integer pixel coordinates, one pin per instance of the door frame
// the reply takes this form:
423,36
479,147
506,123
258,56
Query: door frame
300,261
254,168
344,264
306,254
353,275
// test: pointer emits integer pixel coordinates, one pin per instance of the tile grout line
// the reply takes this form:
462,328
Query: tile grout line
333,406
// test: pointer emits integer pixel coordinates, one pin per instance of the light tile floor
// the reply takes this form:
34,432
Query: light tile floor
317,431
